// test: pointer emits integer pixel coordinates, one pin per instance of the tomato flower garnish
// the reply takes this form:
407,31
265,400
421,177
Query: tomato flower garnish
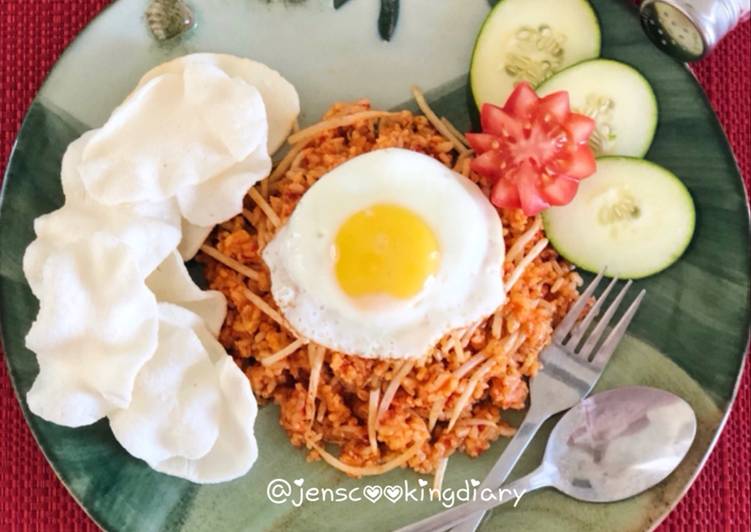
535,150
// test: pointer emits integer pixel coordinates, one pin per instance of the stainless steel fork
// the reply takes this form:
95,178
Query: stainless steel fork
571,366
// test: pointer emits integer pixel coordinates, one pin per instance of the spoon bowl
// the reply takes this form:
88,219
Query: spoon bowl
619,443
609,447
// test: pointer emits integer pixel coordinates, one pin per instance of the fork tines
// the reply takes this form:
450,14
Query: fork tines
582,334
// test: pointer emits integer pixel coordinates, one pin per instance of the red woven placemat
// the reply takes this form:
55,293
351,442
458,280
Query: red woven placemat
32,37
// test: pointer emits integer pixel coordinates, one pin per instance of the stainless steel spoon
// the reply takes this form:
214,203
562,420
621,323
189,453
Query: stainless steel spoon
609,447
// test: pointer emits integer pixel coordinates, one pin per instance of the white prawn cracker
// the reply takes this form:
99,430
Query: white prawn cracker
193,238
178,406
123,331
279,95
176,402
174,132
150,230
220,198
96,328
235,450
171,283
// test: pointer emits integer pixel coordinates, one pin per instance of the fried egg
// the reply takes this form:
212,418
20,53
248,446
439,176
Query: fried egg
387,253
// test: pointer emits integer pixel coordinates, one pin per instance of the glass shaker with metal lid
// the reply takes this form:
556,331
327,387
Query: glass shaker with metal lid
690,29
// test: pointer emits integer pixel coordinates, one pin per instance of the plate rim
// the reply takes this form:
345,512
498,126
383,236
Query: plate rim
100,520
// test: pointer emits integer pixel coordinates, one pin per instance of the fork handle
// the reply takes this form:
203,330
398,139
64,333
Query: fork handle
506,462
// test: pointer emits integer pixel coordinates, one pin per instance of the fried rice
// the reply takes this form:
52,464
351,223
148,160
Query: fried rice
383,414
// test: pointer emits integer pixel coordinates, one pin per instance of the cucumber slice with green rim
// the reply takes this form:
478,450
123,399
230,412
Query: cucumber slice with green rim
617,97
633,217
530,40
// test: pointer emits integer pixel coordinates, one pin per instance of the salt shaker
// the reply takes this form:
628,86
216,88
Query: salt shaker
690,29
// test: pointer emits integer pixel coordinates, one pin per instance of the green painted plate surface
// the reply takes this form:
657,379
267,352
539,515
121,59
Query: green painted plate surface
690,336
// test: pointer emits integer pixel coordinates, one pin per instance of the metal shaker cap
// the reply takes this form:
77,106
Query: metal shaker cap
690,29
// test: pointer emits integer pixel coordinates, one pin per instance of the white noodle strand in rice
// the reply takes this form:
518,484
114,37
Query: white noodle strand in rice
440,472
436,409
367,470
315,357
265,308
373,399
312,131
468,391
454,131
391,389
283,352
435,121
230,262
526,261
286,162
265,207
517,248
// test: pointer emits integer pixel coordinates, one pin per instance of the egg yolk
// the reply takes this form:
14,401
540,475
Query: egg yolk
385,250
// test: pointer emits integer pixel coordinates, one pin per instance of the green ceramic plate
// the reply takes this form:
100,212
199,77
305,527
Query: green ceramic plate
690,336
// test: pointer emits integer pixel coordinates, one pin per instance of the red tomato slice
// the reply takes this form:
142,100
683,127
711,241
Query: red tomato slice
581,163
529,190
535,150
560,191
505,194
522,101
555,105
496,121
488,164
580,127
481,142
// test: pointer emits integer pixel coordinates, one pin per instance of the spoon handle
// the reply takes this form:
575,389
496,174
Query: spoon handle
539,478
508,459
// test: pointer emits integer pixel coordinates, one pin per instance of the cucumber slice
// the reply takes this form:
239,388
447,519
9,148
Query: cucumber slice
633,217
617,97
530,40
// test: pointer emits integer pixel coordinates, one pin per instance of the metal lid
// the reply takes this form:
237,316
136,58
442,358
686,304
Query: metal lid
688,29
673,30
